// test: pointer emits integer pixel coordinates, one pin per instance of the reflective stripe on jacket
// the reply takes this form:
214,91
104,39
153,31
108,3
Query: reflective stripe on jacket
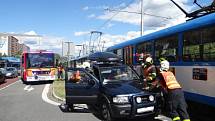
170,80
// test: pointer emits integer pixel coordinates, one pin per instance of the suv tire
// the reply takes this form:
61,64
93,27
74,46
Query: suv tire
70,107
106,113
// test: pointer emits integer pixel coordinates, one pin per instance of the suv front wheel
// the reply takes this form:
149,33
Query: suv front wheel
106,113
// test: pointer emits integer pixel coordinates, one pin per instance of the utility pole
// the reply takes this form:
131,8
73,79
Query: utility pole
62,47
103,46
82,49
141,31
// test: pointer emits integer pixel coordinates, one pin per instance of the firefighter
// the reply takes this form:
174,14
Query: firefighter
149,70
60,71
176,105
75,77
150,83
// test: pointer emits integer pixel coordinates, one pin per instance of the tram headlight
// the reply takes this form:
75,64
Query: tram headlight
151,98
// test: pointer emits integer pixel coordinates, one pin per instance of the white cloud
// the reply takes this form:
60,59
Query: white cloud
110,25
81,33
91,16
31,33
86,8
44,42
163,8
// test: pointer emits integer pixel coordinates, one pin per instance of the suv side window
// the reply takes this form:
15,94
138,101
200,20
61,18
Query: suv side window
79,77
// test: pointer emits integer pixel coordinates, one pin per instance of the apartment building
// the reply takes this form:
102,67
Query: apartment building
10,46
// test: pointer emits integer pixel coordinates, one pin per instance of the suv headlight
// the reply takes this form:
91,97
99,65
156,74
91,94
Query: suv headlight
151,98
138,99
8,74
120,99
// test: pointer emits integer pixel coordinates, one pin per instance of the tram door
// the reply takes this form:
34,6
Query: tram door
128,55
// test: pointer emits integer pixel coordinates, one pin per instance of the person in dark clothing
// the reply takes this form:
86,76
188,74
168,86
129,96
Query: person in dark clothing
60,71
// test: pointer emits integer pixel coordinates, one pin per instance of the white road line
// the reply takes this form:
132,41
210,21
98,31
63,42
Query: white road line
28,88
163,118
45,98
9,85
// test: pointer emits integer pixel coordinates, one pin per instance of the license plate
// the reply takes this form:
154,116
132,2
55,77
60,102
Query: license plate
42,78
146,109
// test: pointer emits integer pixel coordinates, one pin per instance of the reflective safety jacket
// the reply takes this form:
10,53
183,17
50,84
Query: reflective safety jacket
170,80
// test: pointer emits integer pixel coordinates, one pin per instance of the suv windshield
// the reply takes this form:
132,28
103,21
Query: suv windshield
117,73
10,69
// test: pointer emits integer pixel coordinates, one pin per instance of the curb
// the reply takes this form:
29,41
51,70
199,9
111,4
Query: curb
55,96
45,96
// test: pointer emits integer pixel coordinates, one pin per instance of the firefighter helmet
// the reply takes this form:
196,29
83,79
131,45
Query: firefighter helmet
164,65
149,60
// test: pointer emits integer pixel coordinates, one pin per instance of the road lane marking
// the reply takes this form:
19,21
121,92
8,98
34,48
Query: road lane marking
9,85
28,88
45,97
163,118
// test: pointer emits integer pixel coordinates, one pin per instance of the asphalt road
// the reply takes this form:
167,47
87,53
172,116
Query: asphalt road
21,103
17,104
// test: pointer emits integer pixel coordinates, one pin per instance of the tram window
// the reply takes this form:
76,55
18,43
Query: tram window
128,55
199,45
191,53
191,49
208,41
145,48
209,52
167,47
208,35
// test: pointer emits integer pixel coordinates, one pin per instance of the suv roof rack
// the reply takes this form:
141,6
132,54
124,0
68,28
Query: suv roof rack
104,57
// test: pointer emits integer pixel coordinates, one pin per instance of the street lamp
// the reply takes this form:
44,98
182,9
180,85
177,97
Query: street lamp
91,48
68,51
83,49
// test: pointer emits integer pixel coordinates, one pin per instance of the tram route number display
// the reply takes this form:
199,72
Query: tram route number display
200,74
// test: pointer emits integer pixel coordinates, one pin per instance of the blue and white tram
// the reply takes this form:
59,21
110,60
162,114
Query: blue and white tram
190,47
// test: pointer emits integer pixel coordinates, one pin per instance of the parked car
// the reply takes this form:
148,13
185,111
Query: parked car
2,75
112,88
11,72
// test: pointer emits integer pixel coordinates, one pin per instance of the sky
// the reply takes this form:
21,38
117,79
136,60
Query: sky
60,21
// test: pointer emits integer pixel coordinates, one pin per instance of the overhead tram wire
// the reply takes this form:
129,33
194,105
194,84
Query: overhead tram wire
117,12
143,14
